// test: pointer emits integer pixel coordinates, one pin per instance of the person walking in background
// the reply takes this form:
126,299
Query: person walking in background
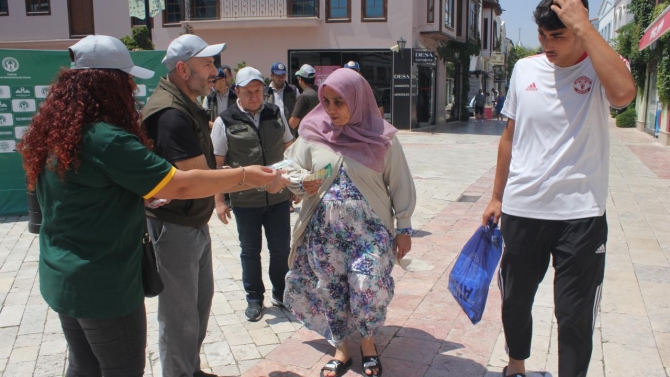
281,93
87,159
551,181
480,101
345,241
179,129
309,97
500,102
220,98
254,132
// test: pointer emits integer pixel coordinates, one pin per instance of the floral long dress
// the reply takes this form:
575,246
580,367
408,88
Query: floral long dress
341,280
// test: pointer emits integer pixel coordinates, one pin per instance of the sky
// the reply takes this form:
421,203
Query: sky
519,14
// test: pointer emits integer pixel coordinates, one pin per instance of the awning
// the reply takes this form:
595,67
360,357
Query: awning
656,29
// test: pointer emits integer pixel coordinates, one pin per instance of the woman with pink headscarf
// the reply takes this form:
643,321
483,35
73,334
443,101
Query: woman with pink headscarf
353,224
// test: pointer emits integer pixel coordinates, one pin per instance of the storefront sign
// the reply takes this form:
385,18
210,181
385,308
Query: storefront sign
424,56
322,73
656,30
497,59
25,78
402,91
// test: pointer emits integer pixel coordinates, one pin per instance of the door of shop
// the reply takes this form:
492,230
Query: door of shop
425,105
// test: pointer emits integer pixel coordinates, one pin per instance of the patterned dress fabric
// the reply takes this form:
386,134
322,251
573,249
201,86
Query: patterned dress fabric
341,282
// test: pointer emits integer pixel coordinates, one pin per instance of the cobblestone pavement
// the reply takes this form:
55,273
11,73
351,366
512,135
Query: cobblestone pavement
426,333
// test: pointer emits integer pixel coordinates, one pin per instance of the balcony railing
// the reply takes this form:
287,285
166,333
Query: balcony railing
245,9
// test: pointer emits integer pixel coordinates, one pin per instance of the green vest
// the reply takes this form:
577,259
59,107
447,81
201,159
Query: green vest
248,145
191,212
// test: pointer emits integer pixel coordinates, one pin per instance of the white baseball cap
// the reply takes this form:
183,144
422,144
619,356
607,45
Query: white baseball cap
104,52
247,75
306,71
189,46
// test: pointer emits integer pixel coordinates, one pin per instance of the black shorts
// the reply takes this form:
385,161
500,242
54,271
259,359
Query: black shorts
479,110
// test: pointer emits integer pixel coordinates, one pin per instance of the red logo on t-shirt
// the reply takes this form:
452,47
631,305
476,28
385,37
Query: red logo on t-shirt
583,85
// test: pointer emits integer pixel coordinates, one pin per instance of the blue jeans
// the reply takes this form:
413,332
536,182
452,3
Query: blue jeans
110,347
276,221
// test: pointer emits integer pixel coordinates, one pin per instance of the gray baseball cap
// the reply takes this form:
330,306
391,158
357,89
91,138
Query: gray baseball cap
247,75
104,52
189,46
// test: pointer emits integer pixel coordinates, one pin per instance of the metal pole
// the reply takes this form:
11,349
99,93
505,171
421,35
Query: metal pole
147,17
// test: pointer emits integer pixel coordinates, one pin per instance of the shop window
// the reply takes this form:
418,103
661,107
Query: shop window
204,9
381,73
449,13
173,13
38,7
4,11
431,12
472,24
338,10
374,10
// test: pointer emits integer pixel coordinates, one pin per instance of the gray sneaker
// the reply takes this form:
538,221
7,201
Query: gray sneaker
254,311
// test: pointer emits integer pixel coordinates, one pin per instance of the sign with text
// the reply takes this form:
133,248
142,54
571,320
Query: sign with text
25,79
497,59
322,73
402,90
424,56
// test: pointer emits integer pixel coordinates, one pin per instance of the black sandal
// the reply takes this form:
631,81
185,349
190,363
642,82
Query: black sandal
336,366
504,374
372,362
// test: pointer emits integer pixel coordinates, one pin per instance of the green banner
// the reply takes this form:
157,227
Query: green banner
25,77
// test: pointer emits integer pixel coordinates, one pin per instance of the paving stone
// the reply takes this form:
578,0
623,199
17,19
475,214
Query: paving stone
11,315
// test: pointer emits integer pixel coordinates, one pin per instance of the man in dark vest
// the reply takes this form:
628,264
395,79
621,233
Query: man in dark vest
254,132
281,93
221,97
179,128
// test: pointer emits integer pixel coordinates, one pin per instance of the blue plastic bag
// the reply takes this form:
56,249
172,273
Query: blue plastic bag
471,276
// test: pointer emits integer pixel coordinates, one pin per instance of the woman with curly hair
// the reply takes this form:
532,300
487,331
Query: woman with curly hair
87,159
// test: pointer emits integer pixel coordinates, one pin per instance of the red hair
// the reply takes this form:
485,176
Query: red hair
78,99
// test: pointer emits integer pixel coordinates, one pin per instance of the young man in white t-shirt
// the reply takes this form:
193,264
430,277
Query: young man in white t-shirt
551,181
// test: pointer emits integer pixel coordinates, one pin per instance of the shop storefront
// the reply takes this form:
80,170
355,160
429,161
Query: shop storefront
405,81
654,105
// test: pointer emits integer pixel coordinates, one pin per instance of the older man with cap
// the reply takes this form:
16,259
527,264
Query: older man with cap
220,98
179,128
309,97
279,92
254,132
356,67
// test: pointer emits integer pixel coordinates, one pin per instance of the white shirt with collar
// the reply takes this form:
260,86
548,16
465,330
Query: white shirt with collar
220,139
279,96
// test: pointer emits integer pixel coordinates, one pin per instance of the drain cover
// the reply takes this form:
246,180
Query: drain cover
468,198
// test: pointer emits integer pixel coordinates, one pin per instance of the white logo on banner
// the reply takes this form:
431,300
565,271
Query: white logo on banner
4,106
20,131
24,105
4,91
7,146
41,91
10,64
141,91
6,119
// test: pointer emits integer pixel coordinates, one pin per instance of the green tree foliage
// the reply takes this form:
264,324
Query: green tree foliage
628,39
627,118
140,40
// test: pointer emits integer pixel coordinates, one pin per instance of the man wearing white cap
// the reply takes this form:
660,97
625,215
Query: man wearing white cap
254,132
180,131
309,97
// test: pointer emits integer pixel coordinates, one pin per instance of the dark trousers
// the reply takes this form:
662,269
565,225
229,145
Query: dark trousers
276,221
111,347
578,250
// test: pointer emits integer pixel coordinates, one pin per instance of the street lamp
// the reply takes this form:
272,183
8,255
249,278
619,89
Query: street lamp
401,47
